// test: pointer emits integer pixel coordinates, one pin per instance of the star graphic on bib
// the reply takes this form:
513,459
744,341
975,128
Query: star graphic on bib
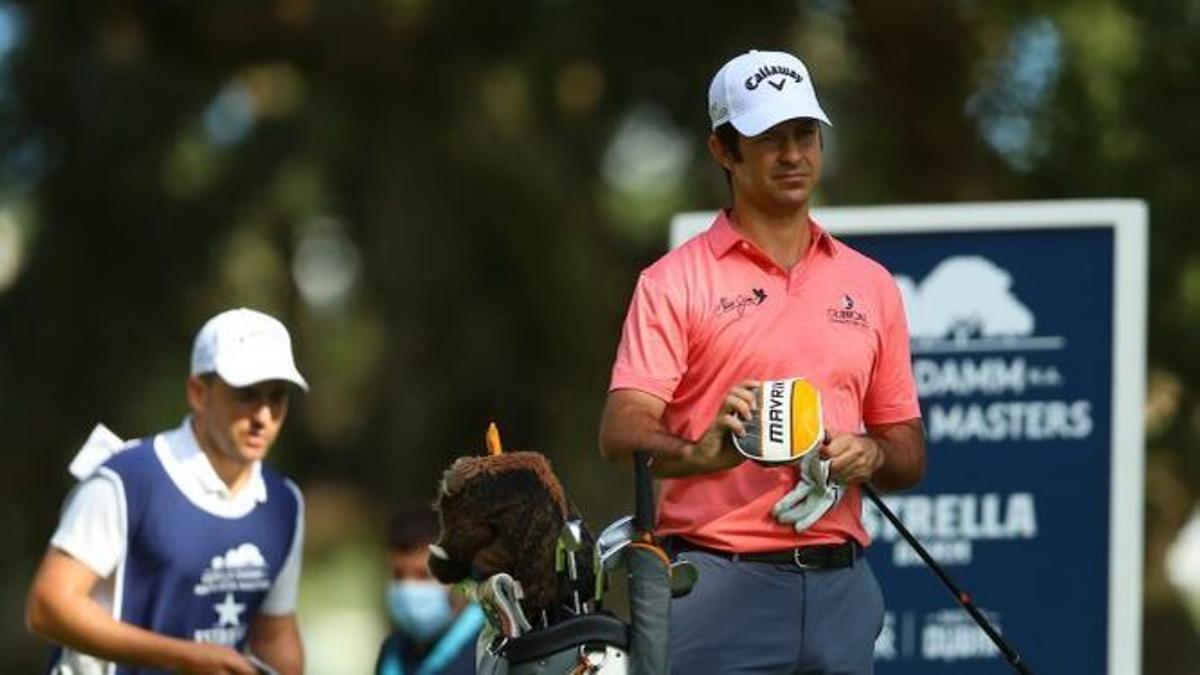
228,611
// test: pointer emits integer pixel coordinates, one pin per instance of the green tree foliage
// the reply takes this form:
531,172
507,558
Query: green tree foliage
449,203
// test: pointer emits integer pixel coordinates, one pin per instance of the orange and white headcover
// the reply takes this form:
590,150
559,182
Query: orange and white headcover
787,423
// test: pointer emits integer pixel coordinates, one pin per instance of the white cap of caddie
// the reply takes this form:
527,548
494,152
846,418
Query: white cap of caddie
245,347
757,90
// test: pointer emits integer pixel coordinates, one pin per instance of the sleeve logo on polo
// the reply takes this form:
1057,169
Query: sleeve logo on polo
739,303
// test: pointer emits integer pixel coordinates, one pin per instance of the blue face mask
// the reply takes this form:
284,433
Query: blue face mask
419,609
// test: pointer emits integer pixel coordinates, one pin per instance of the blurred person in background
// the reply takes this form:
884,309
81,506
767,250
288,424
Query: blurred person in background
433,628
181,551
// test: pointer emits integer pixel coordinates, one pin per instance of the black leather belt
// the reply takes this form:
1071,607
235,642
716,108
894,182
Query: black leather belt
817,557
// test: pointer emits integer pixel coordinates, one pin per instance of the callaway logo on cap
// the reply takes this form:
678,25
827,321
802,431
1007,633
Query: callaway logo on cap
757,90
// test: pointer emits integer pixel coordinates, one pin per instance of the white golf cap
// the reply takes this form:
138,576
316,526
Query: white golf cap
757,90
245,347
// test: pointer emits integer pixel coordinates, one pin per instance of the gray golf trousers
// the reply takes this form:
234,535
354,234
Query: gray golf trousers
773,619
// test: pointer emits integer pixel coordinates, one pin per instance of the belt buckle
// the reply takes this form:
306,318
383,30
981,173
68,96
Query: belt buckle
799,563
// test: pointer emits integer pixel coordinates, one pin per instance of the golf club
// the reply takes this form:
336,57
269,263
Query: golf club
963,598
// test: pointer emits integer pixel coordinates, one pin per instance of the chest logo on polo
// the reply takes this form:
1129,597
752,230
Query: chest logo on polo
846,311
741,302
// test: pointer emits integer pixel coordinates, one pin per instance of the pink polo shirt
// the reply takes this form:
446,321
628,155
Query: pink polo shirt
716,311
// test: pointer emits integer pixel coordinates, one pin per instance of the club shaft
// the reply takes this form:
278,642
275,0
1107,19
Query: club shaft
643,514
960,596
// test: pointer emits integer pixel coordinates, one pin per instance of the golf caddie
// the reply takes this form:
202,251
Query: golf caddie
735,336
180,552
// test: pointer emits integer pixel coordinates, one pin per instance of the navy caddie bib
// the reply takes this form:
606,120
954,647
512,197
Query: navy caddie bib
189,573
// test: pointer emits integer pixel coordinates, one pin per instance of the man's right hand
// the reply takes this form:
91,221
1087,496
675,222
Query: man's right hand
632,422
714,451
209,659
60,608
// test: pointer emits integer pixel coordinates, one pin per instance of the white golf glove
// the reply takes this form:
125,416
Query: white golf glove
815,493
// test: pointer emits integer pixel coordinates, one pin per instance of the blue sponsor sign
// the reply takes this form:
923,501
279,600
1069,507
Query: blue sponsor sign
1024,319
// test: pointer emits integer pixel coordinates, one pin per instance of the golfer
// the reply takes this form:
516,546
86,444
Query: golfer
766,293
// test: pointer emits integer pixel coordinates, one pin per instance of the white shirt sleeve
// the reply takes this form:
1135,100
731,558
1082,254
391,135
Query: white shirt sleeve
92,526
281,599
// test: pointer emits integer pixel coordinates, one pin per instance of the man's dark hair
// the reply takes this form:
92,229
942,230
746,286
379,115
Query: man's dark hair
411,527
729,137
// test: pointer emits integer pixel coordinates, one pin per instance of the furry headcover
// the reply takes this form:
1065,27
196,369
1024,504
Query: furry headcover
501,513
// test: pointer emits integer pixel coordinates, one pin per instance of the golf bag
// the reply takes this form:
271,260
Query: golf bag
509,534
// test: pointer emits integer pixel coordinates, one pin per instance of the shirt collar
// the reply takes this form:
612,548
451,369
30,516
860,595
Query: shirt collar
188,456
723,237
